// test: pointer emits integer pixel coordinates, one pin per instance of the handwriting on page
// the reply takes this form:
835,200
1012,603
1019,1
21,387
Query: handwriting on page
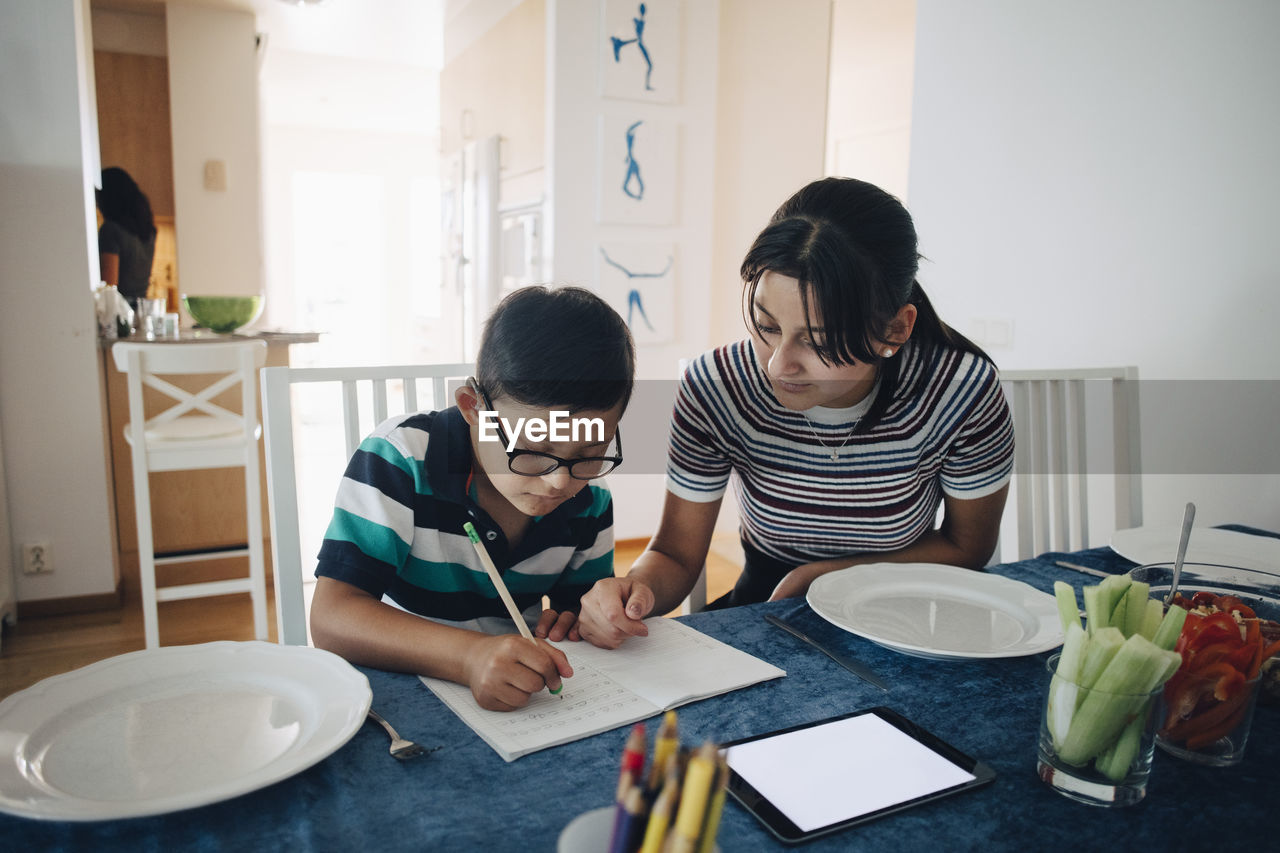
592,701
611,688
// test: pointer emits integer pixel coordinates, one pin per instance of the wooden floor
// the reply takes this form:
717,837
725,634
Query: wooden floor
39,647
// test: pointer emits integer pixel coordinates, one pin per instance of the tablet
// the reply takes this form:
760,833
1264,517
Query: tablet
825,776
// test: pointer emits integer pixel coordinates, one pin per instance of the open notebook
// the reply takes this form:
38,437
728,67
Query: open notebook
674,665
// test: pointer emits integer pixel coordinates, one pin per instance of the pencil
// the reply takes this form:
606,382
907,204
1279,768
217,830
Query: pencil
716,807
629,825
655,833
632,769
665,745
503,592
698,778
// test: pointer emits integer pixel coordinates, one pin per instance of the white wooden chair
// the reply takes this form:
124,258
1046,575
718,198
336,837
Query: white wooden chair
1052,459
194,432
365,392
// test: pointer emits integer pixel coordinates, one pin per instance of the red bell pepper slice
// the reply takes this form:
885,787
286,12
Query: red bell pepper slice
1217,628
1220,681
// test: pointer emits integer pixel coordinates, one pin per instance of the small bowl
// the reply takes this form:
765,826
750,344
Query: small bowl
223,314
1260,590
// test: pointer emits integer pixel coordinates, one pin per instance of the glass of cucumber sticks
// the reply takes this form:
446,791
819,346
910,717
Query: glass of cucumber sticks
1096,746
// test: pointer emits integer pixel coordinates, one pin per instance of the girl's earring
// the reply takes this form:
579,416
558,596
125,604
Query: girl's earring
888,353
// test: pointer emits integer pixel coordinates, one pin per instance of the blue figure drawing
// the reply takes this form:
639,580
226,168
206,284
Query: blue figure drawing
634,301
633,168
638,41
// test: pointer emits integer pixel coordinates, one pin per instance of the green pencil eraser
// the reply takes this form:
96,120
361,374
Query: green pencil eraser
471,532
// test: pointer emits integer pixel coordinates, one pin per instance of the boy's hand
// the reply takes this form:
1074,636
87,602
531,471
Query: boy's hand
555,626
612,611
504,671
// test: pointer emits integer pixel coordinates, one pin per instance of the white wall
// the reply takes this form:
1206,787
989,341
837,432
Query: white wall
1102,176
51,411
213,105
869,102
771,120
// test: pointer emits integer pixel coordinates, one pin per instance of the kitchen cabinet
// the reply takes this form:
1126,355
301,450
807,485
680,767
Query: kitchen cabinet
191,510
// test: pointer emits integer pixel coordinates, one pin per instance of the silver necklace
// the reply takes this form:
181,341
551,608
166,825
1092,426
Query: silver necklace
835,451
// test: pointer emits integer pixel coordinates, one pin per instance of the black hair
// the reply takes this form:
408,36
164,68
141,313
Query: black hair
124,203
557,347
853,248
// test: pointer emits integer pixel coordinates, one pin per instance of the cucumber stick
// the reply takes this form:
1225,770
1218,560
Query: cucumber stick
1119,694
1068,612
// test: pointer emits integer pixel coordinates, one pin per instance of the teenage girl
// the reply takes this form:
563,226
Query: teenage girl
845,419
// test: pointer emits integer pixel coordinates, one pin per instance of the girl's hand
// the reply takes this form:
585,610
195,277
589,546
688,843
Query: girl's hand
555,626
612,611
504,671
795,583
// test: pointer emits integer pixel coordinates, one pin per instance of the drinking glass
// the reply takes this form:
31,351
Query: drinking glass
1104,758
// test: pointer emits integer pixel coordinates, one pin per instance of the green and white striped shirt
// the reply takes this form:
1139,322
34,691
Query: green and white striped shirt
397,529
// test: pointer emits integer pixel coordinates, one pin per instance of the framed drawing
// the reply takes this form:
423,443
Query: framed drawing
639,171
640,50
639,281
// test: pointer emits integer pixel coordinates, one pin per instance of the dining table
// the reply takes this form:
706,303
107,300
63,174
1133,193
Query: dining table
462,796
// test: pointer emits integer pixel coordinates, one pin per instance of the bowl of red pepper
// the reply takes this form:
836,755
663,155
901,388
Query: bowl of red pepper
1230,643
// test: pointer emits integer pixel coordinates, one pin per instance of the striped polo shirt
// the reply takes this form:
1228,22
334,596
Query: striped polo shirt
947,431
397,529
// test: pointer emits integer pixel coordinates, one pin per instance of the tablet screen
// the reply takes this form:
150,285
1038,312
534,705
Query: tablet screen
827,775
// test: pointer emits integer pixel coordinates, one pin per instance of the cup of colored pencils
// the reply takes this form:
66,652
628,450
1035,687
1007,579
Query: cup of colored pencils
674,805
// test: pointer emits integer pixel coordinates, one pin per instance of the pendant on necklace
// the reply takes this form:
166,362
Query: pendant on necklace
835,455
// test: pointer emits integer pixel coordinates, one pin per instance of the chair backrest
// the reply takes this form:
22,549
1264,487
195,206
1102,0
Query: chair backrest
1054,463
226,363
365,402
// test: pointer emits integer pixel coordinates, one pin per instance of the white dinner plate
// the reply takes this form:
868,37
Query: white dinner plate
1145,545
172,728
937,611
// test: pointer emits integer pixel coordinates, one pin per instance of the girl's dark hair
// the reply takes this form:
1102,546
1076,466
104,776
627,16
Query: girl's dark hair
121,201
852,246
557,347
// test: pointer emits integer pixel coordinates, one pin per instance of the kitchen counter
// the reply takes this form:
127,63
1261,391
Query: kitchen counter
192,335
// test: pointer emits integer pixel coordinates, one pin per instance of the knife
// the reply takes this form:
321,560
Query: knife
858,669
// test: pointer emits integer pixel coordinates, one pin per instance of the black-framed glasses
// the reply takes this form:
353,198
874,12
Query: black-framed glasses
534,463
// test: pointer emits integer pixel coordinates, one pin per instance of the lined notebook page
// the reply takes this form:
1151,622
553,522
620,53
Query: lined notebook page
610,688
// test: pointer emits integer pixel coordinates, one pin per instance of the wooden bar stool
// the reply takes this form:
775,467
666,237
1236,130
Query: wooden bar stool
194,432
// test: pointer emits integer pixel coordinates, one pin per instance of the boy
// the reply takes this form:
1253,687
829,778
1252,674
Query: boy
519,457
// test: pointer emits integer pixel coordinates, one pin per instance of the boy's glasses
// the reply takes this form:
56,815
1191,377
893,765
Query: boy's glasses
532,463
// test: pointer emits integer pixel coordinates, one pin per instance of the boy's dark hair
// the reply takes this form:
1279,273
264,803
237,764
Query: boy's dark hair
557,347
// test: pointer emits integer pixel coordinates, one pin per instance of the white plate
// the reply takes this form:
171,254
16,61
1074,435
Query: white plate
172,728
936,611
1146,545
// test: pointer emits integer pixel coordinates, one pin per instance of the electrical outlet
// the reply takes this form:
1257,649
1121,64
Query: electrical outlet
37,559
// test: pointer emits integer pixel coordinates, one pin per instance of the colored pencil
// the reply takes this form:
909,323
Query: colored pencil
716,807
665,745
660,815
503,592
698,778
632,769
629,825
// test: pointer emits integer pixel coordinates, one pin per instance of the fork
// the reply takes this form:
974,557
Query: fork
400,748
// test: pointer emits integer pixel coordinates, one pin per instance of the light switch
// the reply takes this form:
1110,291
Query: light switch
215,175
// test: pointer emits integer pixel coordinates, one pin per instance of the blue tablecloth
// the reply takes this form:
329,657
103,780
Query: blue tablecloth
465,797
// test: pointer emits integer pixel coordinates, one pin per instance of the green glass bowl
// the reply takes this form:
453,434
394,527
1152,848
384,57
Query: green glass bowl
223,314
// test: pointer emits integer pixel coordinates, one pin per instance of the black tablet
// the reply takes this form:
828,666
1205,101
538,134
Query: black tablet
821,777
